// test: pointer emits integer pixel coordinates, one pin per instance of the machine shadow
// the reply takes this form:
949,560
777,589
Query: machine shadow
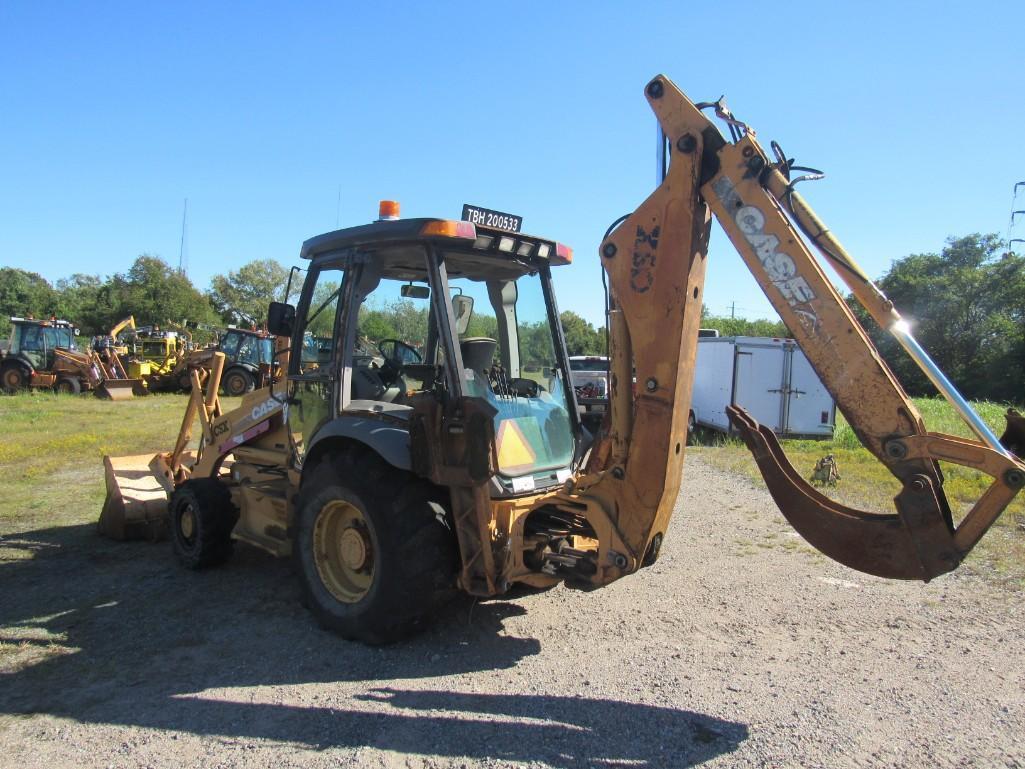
139,642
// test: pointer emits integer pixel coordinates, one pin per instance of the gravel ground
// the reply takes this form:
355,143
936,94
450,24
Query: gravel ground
739,648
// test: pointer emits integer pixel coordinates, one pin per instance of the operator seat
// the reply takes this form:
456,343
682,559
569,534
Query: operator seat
367,385
478,352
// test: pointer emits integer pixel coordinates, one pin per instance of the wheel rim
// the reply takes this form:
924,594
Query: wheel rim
343,551
236,385
187,524
12,378
64,386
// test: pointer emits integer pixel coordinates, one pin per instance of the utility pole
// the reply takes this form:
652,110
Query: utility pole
1010,224
183,262
733,310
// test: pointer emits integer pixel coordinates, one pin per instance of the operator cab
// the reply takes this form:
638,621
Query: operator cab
34,341
248,347
406,310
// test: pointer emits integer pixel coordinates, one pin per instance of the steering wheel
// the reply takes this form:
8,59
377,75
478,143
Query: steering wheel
396,354
400,353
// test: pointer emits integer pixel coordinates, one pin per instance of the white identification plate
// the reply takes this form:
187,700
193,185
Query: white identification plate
524,483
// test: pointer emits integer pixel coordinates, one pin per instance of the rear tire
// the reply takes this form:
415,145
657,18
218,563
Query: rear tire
372,548
201,520
14,377
237,382
68,386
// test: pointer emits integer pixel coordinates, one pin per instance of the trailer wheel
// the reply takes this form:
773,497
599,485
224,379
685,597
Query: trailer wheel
372,548
201,520
68,386
14,377
238,382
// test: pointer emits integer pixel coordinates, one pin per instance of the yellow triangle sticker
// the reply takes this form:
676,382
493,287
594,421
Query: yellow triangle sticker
514,452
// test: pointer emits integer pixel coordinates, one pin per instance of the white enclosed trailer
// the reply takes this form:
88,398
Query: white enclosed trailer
770,378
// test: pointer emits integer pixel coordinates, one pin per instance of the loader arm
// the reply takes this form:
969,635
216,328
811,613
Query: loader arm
127,323
655,261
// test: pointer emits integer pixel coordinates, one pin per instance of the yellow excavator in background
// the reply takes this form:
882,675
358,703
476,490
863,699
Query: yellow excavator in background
121,380
446,460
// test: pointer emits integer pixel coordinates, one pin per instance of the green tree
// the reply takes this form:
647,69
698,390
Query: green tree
243,295
323,306
482,324
744,327
581,337
410,322
966,306
536,347
78,299
24,293
376,325
154,293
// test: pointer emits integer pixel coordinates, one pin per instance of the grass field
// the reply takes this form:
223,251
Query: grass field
51,471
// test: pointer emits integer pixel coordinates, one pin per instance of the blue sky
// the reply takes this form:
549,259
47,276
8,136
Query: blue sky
111,114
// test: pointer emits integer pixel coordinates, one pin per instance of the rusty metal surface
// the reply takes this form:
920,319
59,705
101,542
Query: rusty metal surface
655,263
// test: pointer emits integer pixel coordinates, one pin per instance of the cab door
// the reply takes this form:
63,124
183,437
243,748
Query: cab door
34,347
314,369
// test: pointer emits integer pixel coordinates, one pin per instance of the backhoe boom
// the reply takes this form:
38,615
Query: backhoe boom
655,261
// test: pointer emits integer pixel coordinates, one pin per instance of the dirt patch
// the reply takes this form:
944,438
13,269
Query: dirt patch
740,647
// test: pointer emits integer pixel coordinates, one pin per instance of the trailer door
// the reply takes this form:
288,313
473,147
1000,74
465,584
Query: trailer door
713,383
758,382
810,407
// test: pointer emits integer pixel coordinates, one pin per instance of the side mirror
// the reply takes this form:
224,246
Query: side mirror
411,291
462,309
78,331
281,319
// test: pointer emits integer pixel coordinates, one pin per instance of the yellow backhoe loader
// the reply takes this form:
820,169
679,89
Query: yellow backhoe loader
120,378
44,354
159,356
396,470
248,363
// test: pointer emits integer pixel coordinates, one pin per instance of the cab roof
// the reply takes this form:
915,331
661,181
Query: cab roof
470,250
55,322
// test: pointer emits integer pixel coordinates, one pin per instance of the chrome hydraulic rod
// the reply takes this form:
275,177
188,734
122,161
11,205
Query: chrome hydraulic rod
902,334
876,303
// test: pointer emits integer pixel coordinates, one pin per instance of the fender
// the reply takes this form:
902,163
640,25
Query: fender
387,438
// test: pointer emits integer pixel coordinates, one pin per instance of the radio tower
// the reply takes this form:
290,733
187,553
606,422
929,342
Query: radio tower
183,257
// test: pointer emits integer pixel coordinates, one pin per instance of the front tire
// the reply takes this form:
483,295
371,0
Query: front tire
201,520
372,548
238,382
14,377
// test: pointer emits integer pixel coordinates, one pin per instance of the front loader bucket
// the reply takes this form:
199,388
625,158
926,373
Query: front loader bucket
119,389
915,544
136,502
